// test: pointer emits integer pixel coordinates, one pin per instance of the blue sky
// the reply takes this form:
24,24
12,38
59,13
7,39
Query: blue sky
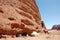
50,11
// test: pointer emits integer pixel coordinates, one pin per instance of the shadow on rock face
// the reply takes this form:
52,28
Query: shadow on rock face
19,35
24,34
33,34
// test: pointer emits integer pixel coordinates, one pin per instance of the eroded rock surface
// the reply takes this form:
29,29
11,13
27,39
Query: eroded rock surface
19,16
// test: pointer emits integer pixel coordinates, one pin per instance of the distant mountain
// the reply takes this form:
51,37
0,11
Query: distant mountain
56,27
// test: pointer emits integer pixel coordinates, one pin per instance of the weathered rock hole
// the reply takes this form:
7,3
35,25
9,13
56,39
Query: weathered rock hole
1,11
10,18
16,25
11,5
36,27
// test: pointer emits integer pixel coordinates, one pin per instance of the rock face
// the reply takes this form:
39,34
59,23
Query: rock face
56,27
19,16
44,27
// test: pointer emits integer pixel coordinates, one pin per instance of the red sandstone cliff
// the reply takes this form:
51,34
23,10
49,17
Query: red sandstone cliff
19,16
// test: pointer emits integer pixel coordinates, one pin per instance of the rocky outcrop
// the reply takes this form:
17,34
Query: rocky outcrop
19,16
56,27
44,27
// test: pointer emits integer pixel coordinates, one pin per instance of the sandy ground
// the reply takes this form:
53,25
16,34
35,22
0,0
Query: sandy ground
53,35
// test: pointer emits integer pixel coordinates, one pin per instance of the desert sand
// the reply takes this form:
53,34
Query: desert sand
53,35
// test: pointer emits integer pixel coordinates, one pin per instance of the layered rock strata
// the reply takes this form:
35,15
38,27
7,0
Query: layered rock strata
18,17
